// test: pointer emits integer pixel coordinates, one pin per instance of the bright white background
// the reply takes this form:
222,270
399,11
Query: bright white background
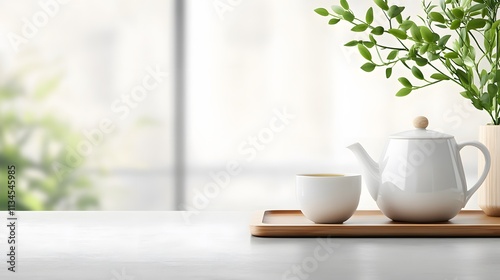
245,59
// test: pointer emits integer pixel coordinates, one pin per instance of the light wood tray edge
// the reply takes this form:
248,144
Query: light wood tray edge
257,223
260,229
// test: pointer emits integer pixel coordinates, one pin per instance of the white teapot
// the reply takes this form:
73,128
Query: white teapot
420,177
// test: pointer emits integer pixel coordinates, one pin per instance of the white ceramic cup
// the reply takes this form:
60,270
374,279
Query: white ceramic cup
328,198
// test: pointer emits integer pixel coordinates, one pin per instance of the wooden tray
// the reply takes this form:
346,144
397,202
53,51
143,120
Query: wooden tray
292,223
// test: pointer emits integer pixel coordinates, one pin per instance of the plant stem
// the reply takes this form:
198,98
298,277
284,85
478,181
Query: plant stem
492,118
477,44
450,70
389,63
391,48
378,53
426,85
389,19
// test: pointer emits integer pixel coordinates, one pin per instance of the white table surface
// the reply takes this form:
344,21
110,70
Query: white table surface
218,245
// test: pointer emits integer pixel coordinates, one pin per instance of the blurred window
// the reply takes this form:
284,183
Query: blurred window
89,110
88,84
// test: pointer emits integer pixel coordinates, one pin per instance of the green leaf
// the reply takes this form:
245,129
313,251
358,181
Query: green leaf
442,42
411,52
464,39
348,16
400,34
435,37
451,55
369,16
458,61
464,78
428,8
359,27
352,43
382,4
435,16
477,104
423,49
394,11
372,39
399,19
333,21
465,94
368,44
485,100
417,73
439,76
407,24
495,24
487,45
475,90
404,81
344,4
442,4
476,23
469,62
338,10
388,72
427,34
476,7
364,52
379,30
484,77
458,13
432,56
392,55
421,61
415,33
368,67
476,13
322,12
491,36
404,91
455,24
492,89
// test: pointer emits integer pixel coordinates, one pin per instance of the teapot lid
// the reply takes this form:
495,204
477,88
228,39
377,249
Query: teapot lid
420,132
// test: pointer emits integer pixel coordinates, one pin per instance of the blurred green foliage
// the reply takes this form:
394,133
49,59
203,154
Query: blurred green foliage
35,142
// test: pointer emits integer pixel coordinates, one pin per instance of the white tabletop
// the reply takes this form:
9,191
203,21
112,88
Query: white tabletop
218,245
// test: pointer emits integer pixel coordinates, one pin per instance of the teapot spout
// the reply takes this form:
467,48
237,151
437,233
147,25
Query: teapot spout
370,169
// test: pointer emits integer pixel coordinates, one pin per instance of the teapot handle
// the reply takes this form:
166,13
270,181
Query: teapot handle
487,162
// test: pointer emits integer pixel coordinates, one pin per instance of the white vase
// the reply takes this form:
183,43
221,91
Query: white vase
489,192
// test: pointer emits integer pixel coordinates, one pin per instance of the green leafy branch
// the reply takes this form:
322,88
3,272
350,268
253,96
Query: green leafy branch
457,40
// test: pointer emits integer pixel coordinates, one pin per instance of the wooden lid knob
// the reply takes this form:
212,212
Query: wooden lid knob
421,122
